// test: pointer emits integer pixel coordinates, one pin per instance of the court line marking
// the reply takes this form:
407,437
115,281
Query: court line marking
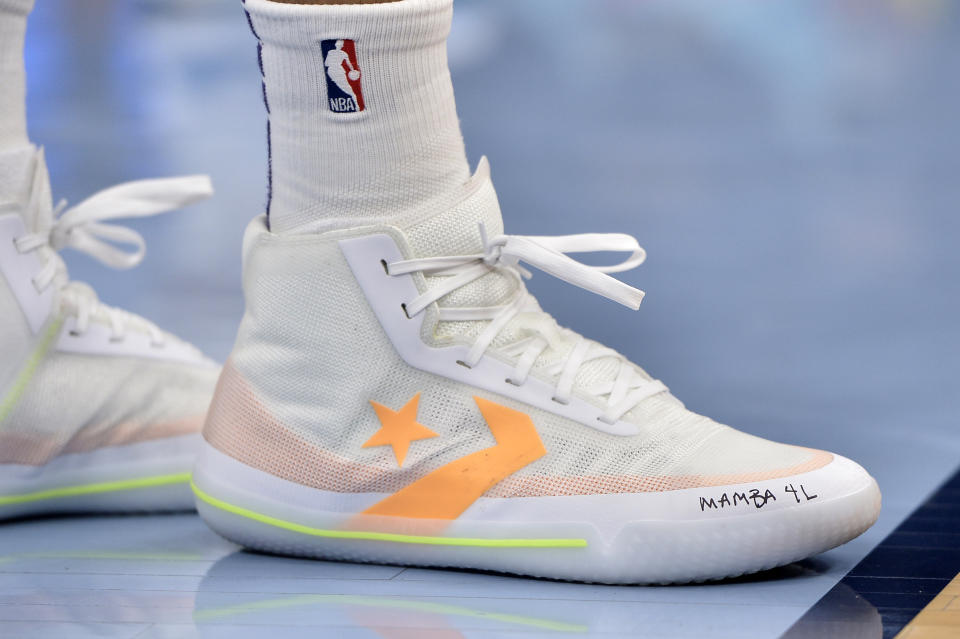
939,619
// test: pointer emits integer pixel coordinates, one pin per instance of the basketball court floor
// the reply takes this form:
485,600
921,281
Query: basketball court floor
791,170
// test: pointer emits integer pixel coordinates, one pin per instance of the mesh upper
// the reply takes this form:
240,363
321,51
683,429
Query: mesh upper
310,356
15,336
76,403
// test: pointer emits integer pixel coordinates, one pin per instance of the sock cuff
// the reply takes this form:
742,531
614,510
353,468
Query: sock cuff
13,81
388,26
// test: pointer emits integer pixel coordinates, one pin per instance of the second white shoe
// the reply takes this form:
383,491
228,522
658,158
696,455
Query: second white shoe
99,409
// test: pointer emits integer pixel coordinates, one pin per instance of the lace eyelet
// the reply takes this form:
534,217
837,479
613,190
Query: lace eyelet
560,401
386,269
403,305
464,364
604,420
75,333
511,382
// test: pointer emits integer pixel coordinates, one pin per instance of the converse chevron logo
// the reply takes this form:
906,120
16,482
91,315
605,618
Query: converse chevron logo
446,492
344,93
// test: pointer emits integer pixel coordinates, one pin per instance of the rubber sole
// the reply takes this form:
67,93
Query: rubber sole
150,476
666,537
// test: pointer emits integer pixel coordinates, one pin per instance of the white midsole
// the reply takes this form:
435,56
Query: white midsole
605,515
626,538
159,457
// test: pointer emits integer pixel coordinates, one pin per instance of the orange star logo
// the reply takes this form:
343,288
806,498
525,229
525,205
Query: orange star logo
398,428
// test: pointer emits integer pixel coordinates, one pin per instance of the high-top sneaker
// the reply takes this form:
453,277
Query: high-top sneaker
99,409
396,395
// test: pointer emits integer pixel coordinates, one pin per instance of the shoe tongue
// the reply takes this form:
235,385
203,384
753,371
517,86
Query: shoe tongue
24,180
457,232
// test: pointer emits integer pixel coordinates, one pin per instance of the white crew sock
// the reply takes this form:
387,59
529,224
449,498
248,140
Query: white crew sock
13,76
16,152
400,158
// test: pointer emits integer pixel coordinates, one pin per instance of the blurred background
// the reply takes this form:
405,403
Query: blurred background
791,168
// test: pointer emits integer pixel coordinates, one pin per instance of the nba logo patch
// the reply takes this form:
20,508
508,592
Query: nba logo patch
344,94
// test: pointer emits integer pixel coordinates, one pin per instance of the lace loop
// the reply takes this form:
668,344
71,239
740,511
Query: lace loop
80,228
550,255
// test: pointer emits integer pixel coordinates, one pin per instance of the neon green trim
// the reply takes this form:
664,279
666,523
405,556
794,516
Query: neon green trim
375,536
384,603
103,487
23,379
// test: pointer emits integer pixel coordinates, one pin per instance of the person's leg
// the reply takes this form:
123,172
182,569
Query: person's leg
332,163
13,77
99,409
15,148
396,395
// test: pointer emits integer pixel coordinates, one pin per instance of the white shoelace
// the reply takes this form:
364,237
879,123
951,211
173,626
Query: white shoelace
548,254
80,227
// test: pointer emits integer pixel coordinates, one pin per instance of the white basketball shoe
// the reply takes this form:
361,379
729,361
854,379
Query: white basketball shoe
395,395
99,409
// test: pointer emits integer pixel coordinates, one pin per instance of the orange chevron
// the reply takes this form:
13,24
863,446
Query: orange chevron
449,490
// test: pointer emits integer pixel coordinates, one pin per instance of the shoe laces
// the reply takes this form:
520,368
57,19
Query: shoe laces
503,254
81,227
